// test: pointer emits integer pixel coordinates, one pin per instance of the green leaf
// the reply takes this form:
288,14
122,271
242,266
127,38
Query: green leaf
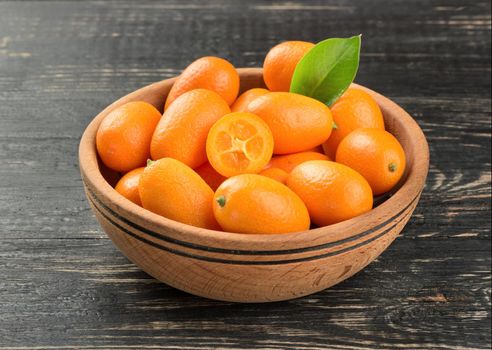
328,69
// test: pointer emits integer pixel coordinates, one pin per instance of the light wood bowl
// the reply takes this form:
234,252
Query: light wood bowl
252,268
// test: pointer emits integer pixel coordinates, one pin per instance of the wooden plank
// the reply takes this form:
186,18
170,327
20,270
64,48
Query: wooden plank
81,292
65,286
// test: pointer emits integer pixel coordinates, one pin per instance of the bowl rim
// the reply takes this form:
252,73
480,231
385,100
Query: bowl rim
255,244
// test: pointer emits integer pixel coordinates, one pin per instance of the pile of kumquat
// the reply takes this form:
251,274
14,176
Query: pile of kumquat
279,159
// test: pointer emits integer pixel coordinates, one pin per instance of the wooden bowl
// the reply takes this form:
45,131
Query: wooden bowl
251,268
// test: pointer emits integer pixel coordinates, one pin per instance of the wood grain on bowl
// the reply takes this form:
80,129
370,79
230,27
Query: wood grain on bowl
253,268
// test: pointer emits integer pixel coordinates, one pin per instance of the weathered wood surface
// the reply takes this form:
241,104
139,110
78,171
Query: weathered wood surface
63,285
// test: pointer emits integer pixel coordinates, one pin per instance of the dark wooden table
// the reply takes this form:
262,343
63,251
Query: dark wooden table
63,285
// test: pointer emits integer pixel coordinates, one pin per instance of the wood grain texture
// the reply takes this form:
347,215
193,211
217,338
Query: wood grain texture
65,286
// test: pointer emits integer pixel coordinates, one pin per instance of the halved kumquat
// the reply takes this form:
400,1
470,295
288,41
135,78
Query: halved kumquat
239,143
